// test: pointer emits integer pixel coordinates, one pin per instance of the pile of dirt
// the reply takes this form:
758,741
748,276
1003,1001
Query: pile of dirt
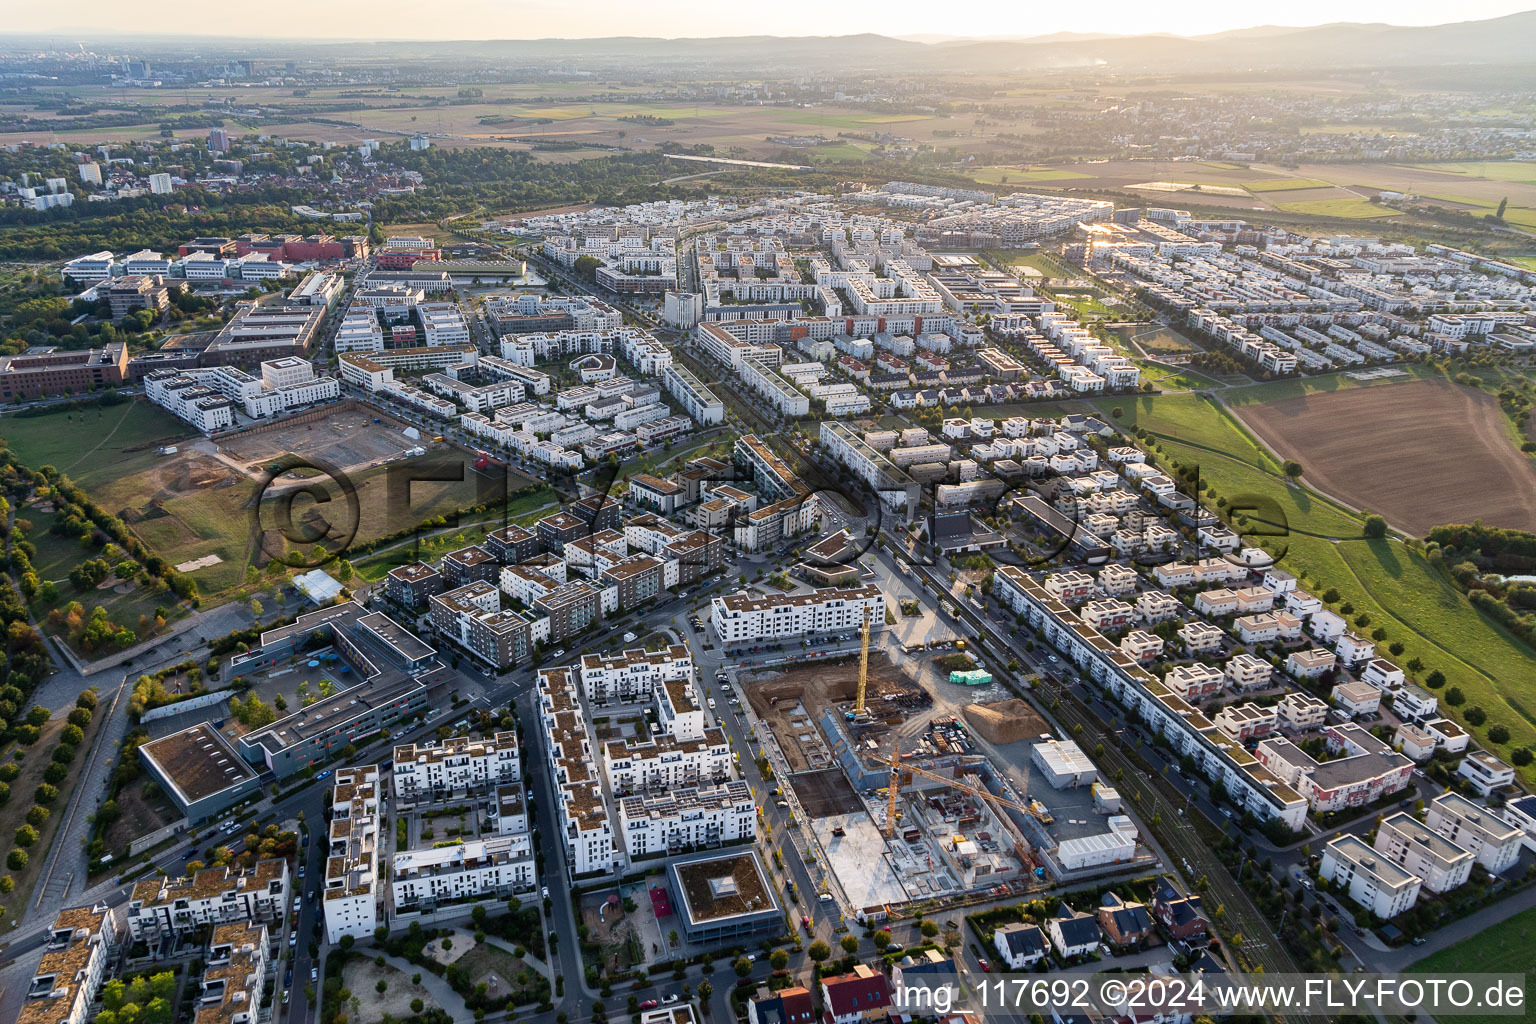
1006,721
783,691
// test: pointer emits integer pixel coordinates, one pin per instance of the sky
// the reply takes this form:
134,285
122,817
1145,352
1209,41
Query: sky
535,19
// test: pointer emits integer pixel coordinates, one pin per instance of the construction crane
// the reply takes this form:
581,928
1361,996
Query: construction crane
895,785
858,703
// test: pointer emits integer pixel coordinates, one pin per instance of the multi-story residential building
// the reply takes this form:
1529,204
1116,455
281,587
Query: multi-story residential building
1494,842
234,975
165,906
455,769
687,817
633,675
1415,704
665,762
1246,672
468,565
738,618
511,544
471,871
352,894
1485,772
1309,664
473,618
584,825
1356,699
1362,770
1254,787
1194,682
78,953
1302,711
1416,848
409,586
1374,882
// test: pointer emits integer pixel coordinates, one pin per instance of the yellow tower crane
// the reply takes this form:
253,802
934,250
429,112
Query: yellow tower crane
895,784
858,703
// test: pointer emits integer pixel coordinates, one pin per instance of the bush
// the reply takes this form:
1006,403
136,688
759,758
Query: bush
46,794
72,734
56,773
80,717
9,772
26,835
1520,757
38,716
37,815
1375,527
5,792
16,860
1498,734
64,753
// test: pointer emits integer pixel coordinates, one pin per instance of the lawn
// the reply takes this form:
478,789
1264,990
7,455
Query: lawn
1352,209
374,567
1504,948
127,436
1323,544
1284,184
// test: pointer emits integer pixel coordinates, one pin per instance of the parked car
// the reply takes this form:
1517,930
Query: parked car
649,1004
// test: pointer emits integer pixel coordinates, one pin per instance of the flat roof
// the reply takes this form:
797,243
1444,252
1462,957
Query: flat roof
198,762
724,886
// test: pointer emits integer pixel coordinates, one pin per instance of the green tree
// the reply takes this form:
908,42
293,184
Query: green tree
850,944
819,951
1375,526
1292,470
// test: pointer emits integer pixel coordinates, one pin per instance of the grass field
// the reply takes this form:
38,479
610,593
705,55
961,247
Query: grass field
1503,948
840,153
1323,545
1520,171
1284,184
1022,175
127,436
1352,209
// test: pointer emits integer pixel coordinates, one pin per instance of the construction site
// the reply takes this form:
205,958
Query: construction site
914,800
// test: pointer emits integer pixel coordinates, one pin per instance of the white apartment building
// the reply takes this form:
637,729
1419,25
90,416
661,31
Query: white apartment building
1486,772
1494,842
667,763
163,906
492,868
686,818
740,617
1373,881
79,951
1416,848
234,975
351,896
442,323
455,769
633,675
584,825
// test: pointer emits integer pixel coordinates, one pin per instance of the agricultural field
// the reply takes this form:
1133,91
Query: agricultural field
1350,209
1377,448
1391,584
1284,184
1023,175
